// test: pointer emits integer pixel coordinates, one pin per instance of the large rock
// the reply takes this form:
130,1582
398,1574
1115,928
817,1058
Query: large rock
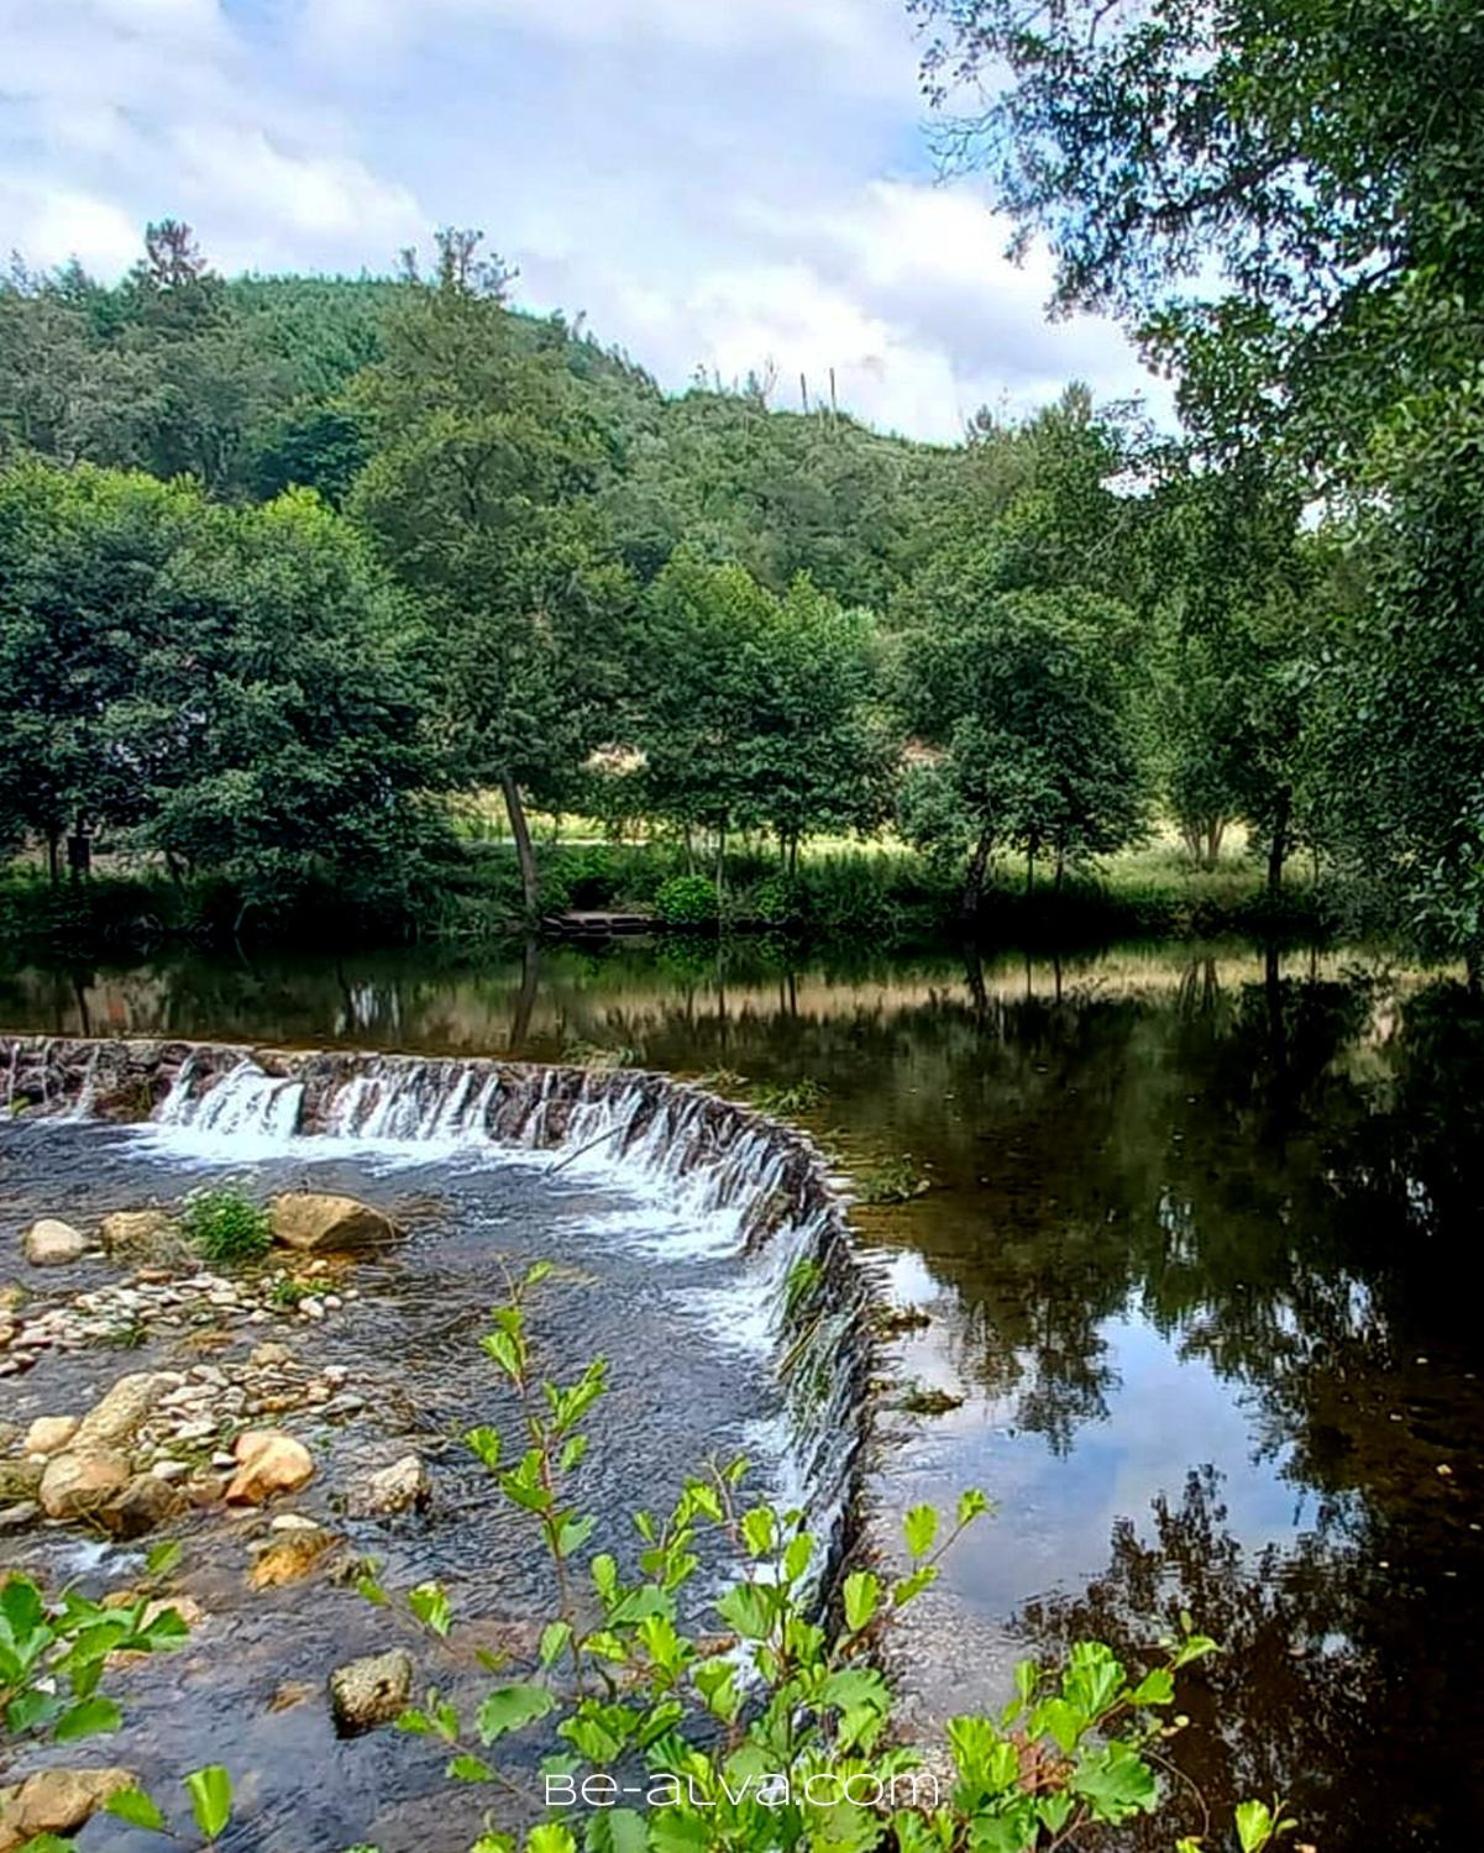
402,1487
76,1484
118,1416
49,1243
371,1691
57,1801
268,1462
49,1434
306,1220
145,1503
146,1238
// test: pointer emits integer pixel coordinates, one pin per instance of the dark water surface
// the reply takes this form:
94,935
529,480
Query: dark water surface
1200,1263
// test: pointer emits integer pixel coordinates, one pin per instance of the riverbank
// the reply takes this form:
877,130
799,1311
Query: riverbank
834,895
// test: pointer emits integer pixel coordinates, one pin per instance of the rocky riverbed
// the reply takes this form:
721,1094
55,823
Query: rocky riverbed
290,1423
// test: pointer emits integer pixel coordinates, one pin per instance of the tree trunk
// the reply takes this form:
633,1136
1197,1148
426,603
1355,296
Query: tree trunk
1278,845
1213,842
1030,866
54,852
530,881
974,875
721,869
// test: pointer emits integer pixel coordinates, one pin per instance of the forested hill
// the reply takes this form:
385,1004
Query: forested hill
295,573
250,391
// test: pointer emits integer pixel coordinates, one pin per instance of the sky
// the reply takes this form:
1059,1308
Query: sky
731,185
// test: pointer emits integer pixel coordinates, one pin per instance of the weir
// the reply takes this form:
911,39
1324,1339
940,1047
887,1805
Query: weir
738,1180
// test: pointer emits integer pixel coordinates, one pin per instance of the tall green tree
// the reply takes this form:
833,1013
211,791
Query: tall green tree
481,495
756,711
1024,702
239,691
1239,618
1280,197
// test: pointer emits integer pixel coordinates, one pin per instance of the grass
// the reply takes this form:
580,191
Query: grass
228,1228
873,891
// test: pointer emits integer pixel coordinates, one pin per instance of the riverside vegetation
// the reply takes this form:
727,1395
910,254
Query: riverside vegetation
300,574
779,1733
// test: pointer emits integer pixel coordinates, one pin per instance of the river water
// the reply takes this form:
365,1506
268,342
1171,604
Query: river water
1195,1262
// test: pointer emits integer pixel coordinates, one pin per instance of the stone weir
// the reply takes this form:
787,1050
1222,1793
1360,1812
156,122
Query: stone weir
708,1157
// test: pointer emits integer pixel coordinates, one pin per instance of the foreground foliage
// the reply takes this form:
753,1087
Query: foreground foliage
778,1733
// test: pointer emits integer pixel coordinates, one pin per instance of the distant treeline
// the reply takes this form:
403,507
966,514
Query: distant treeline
288,565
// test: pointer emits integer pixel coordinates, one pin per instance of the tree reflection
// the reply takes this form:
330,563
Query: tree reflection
1339,1686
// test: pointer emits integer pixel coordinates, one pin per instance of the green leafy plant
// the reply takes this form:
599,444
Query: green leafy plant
801,1096
895,1180
289,1292
777,1734
227,1227
687,901
53,1654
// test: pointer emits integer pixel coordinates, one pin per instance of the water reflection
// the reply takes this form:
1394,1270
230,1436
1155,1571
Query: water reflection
1194,1261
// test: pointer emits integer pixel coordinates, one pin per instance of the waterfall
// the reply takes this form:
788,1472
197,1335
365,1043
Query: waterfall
726,1178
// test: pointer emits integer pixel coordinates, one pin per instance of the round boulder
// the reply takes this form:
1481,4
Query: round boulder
49,1434
371,1691
319,1224
57,1801
49,1243
78,1483
268,1462
402,1487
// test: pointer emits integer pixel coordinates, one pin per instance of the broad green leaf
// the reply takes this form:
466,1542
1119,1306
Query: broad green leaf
1254,1825
469,1768
87,1720
550,1837
760,1530
210,1790
749,1609
511,1708
554,1638
1155,1688
971,1505
164,1557
920,1527
1115,1782
862,1593
616,1830
137,1808
429,1602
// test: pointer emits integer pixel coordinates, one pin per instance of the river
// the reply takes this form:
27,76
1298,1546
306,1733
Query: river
1192,1255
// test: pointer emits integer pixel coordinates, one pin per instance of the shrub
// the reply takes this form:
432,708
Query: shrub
585,878
758,1739
687,901
228,1228
54,1651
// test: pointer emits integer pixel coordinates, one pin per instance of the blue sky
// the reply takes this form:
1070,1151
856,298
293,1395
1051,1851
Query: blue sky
718,183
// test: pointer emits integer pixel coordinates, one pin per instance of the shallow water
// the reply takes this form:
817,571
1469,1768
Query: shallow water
1196,1262
688,1380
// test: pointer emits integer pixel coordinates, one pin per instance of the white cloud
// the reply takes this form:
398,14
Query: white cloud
715,182
50,225
863,38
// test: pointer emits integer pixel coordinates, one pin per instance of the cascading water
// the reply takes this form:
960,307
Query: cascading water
717,1177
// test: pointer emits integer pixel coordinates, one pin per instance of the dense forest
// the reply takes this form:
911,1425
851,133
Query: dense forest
301,577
